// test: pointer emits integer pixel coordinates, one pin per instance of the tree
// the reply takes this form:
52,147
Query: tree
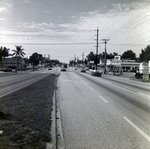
108,56
4,52
18,53
91,56
145,54
1,49
35,58
129,54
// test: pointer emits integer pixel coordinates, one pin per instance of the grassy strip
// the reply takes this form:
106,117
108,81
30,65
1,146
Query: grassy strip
25,116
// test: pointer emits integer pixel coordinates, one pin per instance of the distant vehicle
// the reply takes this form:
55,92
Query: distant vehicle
7,69
76,69
141,70
96,73
83,70
65,66
63,69
50,68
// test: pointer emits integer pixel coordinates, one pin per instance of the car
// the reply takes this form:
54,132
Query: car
50,68
83,70
63,69
96,73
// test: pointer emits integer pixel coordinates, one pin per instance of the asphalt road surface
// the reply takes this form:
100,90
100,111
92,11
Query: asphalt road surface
15,82
105,112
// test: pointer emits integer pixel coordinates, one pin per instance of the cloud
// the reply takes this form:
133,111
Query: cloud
26,1
2,19
2,9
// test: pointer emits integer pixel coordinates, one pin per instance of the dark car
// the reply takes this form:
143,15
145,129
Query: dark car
96,73
83,70
63,69
50,68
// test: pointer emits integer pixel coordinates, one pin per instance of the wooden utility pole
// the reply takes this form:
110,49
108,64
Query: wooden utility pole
96,46
82,59
105,41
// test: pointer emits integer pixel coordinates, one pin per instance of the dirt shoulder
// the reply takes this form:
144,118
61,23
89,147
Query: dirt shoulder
25,116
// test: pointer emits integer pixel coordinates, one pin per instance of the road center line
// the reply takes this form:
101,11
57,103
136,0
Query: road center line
103,99
138,129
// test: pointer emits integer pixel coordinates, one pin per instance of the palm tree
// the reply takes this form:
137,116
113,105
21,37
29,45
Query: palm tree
18,53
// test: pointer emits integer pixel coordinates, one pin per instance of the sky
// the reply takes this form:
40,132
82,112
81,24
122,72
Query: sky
65,29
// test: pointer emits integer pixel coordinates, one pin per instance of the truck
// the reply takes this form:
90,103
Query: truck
143,70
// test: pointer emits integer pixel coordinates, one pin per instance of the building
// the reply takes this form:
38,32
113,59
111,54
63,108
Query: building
14,63
117,66
129,65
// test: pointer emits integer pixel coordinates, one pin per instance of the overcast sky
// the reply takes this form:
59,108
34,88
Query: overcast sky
64,28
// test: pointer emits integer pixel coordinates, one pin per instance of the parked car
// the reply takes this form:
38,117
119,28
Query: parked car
83,70
96,73
7,69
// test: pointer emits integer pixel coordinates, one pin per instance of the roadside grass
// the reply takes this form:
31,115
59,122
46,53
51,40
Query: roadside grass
25,116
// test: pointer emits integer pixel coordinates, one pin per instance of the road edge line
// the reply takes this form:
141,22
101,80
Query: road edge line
138,129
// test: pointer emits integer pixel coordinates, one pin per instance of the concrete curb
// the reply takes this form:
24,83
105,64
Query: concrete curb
57,139
52,144
60,137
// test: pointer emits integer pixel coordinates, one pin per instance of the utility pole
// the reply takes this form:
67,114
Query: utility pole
105,41
97,46
82,59
74,59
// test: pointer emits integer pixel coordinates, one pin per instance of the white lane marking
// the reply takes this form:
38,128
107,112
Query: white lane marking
91,88
144,95
71,81
103,99
138,129
84,82
1,132
130,90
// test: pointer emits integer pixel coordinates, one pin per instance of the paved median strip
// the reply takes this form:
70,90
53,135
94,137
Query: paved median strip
138,129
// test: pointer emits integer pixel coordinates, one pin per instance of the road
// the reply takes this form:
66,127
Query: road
104,112
15,82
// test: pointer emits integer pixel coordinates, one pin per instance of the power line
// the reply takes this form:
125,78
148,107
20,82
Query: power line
114,16
129,29
130,22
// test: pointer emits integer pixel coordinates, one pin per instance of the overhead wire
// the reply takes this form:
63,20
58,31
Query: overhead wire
128,22
115,15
